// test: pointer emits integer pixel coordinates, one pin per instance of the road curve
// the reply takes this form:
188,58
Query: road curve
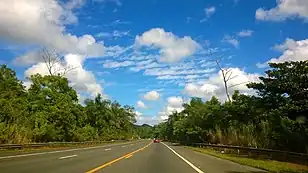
135,157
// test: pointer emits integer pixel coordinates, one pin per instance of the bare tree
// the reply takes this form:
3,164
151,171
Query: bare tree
55,64
226,76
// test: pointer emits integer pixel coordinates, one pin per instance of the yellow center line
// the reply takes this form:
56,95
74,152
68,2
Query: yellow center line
128,156
116,160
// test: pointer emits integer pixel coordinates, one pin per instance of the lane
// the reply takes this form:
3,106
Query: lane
21,153
175,159
153,159
83,161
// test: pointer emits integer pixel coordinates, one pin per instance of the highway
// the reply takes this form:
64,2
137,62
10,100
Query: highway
132,157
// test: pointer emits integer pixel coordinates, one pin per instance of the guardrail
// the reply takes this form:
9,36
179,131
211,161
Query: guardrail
261,153
54,144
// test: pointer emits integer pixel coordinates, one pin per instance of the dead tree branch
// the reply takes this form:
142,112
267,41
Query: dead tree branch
55,64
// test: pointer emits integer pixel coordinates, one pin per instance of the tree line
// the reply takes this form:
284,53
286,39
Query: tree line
49,110
275,117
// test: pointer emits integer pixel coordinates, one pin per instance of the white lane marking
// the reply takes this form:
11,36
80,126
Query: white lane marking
107,149
131,144
124,146
59,151
66,157
190,164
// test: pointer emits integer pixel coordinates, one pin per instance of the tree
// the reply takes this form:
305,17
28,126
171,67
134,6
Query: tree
55,63
275,118
12,107
52,101
285,88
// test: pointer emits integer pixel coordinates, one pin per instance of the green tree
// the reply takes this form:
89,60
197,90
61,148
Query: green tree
52,102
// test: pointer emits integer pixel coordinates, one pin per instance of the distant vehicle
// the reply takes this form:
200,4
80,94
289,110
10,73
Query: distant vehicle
156,141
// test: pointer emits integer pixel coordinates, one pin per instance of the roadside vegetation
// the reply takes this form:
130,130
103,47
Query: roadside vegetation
268,165
49,110
274,118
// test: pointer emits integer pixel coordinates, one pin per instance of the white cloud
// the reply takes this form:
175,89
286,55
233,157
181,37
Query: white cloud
152,96
140,104
170,71
245,33
80,79
29,58
185,77
74,4
140,66
207,63
151,120
174,104
285,9
292,50
118,22
115,64
115,51
210,11
138,114
44,25
172,48
115,34
231,40
214,86
117,2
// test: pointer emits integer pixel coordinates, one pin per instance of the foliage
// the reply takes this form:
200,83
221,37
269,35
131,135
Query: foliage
49,111
144,131
274,118
268,165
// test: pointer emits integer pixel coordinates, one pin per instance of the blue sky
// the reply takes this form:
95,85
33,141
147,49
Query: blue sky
154,54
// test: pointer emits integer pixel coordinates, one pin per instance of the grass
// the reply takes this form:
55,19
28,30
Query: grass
51,148
268,165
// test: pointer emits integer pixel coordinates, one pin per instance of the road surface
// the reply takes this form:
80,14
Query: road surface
132,157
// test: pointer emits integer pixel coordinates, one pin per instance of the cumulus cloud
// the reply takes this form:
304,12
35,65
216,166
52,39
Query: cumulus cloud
292,50
231,40
80,79
214,85
171,47
140,104
138,114
151,95
29,58
44,25
285,9
175,101
174,104
245,33
37,23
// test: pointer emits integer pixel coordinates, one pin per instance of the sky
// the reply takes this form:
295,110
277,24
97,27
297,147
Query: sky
156,54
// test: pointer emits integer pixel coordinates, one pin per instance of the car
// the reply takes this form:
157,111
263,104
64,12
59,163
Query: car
156,141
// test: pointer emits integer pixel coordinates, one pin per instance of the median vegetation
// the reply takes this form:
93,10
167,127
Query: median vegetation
49,110
275,117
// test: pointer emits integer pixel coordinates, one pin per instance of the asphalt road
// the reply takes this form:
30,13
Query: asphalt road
134,157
